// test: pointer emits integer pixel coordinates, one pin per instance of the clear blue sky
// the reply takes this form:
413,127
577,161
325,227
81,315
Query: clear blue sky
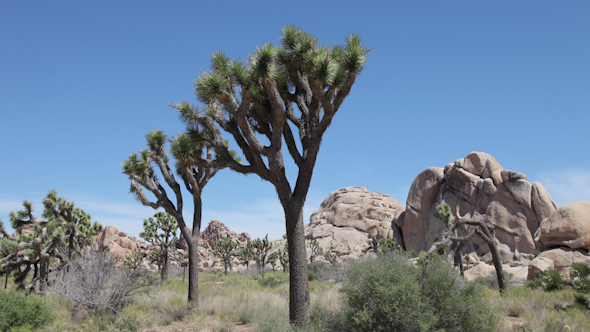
82,82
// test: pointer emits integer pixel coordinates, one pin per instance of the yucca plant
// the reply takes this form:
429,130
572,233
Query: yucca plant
160,231
63,233
299,86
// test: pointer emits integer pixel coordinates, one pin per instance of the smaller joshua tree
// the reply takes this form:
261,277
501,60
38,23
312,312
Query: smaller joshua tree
260,248
162,232
226,249
245,255
316,250
283,257
455,243
273,260
186,148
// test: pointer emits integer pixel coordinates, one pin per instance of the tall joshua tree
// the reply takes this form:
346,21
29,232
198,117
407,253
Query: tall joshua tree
297,86
190,145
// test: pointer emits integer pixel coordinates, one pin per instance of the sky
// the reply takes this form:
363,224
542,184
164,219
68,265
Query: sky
82,82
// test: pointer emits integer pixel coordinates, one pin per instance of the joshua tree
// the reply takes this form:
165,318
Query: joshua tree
162,232
62,235
284,256
299,85
272,259
455,243
316,250
245,255
226,249
331,257
185,148
260,248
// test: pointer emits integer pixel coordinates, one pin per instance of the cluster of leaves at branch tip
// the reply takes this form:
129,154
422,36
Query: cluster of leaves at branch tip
64,232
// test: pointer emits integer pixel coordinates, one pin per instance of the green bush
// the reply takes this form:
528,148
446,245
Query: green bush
314,271
269,282
19,310
549,280
388,293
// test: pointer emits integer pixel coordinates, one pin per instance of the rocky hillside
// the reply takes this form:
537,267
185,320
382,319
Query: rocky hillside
121,245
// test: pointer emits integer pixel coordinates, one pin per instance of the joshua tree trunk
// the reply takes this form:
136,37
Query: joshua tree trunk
43,267
299,303
164,270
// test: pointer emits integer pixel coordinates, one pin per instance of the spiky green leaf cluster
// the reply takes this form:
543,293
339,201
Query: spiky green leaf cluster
138,165
163,226
298,50
444,210
22,217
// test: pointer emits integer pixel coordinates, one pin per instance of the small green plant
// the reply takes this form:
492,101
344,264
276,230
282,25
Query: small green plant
387,245
331,257
270,282
579,273
549,280
18,310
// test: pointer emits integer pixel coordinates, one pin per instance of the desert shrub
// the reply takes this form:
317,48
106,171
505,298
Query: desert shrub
270,282
549,280
20,311
95,283
580,273
314,271
389,293
323,272
457,304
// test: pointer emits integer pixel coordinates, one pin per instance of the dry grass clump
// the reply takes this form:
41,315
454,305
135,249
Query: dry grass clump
234,302
537,310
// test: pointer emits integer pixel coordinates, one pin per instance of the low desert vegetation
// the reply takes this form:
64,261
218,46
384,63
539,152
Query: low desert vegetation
385,292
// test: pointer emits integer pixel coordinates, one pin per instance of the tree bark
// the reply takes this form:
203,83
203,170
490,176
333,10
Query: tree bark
164,262
299,302
193,255
43,265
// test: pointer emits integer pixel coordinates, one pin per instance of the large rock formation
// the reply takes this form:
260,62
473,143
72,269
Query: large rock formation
476,187
568,226
350,218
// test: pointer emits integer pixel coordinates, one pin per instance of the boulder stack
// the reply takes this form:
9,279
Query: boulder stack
477,187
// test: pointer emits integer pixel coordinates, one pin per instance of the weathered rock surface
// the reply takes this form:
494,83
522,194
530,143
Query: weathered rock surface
568,226
476,187
564,257
539,264
350,218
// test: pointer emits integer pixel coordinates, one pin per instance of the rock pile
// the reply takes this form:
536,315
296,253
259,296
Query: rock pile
522,216
477,187
350,218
